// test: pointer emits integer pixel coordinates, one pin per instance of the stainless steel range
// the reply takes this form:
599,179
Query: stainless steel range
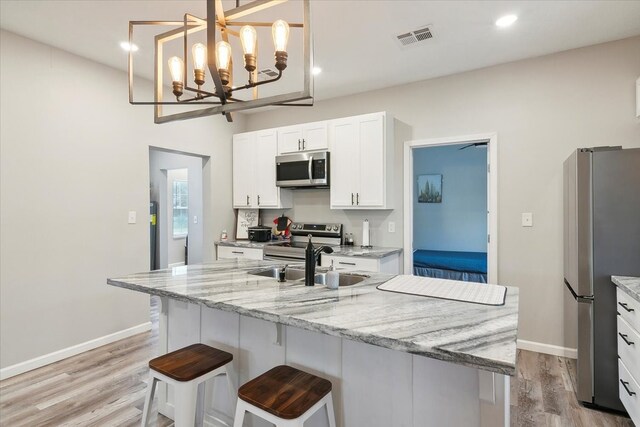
323,235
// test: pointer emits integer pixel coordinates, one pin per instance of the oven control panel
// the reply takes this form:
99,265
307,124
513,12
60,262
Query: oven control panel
299,228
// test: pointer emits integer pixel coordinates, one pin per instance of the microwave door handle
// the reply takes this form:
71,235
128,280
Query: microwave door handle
310,168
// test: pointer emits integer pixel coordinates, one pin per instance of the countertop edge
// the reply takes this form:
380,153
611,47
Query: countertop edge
625,287
384,342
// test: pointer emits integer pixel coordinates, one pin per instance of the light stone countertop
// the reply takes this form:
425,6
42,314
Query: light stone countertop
246,243
474,335
357,251
629,285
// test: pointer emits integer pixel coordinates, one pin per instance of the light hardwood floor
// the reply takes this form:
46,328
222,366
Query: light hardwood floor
106,386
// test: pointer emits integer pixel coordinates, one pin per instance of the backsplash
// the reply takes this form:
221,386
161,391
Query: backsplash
312,205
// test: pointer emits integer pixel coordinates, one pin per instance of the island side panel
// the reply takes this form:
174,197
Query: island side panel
444,394
376,386
321,355
221,329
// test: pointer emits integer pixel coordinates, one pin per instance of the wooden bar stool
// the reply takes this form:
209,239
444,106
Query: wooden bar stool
285,396
185,370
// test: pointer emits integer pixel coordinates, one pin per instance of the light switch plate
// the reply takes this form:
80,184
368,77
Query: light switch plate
392,227
132,217
195,219
527,219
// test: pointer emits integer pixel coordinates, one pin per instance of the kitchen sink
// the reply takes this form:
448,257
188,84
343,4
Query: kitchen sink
292,274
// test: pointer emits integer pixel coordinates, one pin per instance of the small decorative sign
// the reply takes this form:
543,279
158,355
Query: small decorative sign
429,188
246,218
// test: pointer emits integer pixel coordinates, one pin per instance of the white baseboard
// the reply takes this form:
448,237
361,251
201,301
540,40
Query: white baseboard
38,362
555,350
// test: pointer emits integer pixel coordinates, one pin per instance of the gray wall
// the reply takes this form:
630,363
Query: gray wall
459,223
542,109
74,159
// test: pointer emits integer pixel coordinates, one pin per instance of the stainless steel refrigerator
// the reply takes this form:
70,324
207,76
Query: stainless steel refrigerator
601,239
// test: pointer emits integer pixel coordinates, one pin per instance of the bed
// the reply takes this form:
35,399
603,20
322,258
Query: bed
467,266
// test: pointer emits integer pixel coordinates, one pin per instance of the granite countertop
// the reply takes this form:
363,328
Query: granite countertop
629,285
474,335
246,243
357,251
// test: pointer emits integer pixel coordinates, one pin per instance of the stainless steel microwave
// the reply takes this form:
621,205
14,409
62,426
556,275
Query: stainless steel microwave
298,170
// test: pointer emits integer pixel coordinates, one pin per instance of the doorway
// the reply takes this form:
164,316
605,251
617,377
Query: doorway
176,207
450,232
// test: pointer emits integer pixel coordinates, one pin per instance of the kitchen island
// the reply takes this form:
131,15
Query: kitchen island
393,359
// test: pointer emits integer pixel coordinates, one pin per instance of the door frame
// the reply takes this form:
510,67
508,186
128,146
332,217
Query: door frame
492,195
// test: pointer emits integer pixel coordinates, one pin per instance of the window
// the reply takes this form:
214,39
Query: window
180,208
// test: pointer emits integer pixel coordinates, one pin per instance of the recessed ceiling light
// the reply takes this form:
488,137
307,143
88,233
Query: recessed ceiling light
506,21
316,71
126,46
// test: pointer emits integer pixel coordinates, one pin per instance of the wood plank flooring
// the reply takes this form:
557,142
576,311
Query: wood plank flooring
106,386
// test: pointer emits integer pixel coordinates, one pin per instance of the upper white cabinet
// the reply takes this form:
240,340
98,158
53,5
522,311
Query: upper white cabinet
361,162
254,171
306,137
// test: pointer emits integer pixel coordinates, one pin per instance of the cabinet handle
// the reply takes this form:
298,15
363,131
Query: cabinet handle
351,199
357,198
624,305
298,144
237,252
624,384
624,338
303,141
258,200
247,200
346,263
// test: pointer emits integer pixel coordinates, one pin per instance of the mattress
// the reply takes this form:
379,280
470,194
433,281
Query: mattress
470,262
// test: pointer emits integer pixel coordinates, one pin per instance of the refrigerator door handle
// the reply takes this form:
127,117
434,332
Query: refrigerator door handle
579,298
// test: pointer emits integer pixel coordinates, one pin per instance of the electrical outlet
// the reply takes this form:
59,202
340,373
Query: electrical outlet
392,227
195,219
132,217
527,219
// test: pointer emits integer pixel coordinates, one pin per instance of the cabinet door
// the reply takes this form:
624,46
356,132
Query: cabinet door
243,157
289,139
314,136
372,164
266,148
345,167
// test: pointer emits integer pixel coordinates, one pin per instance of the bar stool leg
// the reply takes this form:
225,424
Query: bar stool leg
148,400
330,413
185,396
233,391
240,411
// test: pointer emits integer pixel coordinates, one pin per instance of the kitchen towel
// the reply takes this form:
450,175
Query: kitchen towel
477,293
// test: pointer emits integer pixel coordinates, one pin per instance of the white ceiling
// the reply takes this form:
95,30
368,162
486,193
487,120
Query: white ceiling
354,40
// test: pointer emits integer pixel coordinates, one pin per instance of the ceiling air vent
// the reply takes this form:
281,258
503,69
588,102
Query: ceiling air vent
266,74
414,37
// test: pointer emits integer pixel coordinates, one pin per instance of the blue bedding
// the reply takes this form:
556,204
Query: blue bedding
471,262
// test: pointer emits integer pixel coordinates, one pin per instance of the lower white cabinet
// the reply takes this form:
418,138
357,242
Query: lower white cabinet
230,252
389,264
629,354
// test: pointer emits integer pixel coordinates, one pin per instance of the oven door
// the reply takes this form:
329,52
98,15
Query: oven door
303,170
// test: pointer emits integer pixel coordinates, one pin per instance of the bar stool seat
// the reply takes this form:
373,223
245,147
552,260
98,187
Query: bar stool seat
285,396
186,370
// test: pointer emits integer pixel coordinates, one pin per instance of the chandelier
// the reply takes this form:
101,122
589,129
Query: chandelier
216,58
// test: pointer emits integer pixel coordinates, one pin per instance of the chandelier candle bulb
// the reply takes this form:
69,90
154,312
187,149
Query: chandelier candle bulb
199,53
176,68
249,37
280,32
223,59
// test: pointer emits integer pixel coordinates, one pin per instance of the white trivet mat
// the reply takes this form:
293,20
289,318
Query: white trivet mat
478,293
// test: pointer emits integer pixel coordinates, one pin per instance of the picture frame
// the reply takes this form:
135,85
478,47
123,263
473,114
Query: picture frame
429,188
246,218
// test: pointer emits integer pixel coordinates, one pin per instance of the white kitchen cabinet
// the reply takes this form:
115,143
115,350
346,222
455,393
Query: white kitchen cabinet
254,172
231,252
305,137
629,354
361,162
388,264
